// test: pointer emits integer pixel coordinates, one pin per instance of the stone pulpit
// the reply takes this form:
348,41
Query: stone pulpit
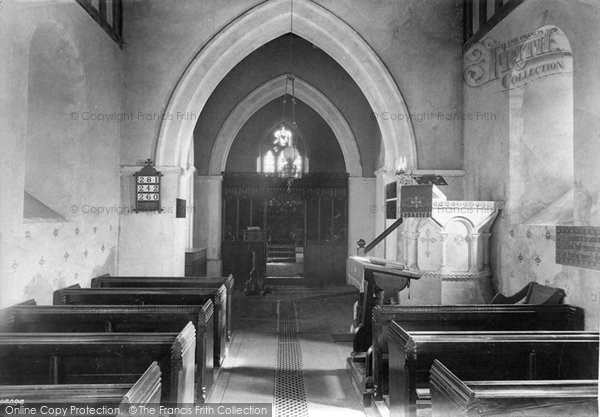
445,242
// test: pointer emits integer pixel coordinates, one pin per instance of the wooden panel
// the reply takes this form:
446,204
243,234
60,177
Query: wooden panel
179,282
195,262
325,263
516,355
145,391
121,319
464,317
452,397
100,358
155,296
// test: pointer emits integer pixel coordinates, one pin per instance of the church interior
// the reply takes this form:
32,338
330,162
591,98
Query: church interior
300,207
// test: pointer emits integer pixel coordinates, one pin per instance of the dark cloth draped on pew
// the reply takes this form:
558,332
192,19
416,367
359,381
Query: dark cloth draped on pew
532,293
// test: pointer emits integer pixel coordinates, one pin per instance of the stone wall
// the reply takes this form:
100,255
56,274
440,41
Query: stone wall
419,42
59,176
535,146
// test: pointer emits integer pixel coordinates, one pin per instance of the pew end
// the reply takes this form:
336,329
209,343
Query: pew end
451,396
59,297
146,390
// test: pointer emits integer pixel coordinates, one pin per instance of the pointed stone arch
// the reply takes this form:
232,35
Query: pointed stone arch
268,92
260,25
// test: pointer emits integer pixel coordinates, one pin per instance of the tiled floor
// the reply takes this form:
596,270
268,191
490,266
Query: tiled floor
249,373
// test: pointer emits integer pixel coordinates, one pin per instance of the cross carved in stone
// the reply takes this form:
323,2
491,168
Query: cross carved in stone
428,240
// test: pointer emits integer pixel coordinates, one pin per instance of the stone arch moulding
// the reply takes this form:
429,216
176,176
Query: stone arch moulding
461,220
260,25
270,91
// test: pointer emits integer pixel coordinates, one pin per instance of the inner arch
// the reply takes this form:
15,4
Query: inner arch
266,93
260,25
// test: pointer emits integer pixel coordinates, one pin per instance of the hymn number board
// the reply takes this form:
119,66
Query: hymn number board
147,183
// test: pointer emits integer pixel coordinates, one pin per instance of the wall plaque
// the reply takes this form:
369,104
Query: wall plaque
578,246
147,184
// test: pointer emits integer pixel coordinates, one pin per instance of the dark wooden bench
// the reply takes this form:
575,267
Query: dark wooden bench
517,355
451,397
155,296
100,358
76,318
183,282
145,391
463,317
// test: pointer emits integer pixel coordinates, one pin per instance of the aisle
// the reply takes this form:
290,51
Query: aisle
283,352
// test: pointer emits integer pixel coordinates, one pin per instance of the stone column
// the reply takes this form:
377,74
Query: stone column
208,220
486,250
361,216
475,255
412,257
444,241
186,192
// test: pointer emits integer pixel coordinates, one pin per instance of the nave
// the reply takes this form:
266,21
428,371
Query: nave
288,349
331,207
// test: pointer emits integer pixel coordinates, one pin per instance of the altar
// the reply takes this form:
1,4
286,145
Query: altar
445,242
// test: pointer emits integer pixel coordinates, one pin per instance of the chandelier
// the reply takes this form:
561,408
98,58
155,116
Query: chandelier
284,137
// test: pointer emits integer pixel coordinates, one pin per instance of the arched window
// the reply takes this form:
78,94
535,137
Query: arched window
271,158
269,162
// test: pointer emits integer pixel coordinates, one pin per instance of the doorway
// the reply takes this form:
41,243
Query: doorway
303,227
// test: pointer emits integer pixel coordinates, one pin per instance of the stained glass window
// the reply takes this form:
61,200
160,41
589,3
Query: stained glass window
269,162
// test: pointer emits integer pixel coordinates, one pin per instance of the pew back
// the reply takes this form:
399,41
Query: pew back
72,358
119,319
155,296
145,391
107,281
453,397
515,355
476,317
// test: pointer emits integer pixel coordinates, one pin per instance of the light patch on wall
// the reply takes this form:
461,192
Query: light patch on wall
56,93
541,132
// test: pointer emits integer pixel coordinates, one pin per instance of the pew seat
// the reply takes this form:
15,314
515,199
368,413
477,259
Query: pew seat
473,317
74,295
145,391
189,282
518,355
100,358
452,397
119,319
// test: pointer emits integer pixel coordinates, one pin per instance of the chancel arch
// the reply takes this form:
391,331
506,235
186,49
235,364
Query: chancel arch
260,25
270,91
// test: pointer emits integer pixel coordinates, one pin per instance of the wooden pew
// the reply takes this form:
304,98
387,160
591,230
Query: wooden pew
451,397
514,355
145,391
155,296
473,317
77,318
100,358
183,282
